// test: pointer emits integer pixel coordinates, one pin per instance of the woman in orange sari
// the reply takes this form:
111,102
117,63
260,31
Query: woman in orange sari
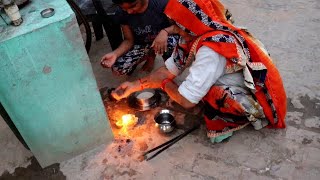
230,71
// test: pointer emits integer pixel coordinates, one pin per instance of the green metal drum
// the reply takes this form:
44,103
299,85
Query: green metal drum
47,85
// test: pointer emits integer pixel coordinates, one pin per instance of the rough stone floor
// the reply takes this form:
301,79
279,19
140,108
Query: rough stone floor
289,29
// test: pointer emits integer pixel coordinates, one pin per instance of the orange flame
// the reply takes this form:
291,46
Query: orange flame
126,120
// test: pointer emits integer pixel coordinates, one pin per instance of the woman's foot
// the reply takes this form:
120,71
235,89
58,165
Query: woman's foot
221,138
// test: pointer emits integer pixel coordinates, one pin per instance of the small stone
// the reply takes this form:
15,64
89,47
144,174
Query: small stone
141,158
104,161
307,141
275,168
143,146
297,104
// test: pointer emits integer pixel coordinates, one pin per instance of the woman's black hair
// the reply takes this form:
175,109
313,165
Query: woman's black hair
123,1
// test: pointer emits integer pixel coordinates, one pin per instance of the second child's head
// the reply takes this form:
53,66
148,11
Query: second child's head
132,6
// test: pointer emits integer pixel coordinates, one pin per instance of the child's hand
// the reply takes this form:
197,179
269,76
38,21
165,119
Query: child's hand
160,42
108,59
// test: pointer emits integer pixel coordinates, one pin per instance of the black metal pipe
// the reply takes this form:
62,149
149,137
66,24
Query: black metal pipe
84,20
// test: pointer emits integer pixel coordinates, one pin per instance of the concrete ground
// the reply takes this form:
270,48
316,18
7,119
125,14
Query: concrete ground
289,29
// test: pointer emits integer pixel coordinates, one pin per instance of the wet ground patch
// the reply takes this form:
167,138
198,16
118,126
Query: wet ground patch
35,172
306,117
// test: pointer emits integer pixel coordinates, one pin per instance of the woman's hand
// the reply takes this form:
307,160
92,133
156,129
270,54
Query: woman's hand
108,59
160,42
125,89
154,80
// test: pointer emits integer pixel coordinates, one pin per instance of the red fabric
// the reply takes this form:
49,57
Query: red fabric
230,106
274,86
215,10
218,124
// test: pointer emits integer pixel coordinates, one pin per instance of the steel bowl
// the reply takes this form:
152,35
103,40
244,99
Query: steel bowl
165,121
144,100
149,97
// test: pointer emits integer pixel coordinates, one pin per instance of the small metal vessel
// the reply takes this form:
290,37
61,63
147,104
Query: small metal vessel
165,121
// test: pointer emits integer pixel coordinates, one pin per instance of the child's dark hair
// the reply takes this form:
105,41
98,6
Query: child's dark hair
123,1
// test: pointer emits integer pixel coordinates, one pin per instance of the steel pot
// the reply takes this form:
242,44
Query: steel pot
165,121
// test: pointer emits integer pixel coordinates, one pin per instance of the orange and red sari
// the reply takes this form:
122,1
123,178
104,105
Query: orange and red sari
206,19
